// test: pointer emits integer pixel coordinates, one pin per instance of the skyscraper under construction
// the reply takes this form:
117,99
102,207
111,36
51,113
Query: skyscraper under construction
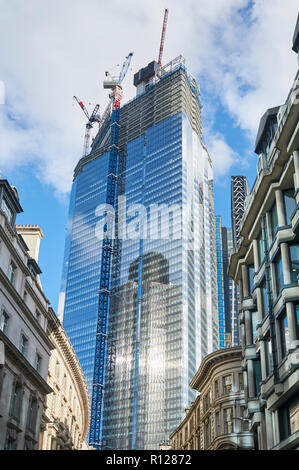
139,304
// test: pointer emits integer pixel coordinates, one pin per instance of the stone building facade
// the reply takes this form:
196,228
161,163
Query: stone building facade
24,344
265,264
216,419
66,415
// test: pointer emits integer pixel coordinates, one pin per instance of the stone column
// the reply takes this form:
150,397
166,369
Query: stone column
269,429
240,284
256,255
292,322
296,166
243,338
259,302
245,281
285,259
245,385
280,208
275,424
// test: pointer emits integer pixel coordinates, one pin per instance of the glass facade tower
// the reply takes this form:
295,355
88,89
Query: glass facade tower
227,293
163,296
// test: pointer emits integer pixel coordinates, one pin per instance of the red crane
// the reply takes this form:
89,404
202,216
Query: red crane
91,120
163,37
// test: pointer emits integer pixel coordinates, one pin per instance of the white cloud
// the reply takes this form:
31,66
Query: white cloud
52,50
222,155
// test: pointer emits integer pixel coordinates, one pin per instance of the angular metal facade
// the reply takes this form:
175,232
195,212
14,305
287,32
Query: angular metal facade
239,192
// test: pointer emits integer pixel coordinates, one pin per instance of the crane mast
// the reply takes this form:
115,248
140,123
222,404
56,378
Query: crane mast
108,250
163,37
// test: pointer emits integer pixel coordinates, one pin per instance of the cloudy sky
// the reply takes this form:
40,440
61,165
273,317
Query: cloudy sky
238,50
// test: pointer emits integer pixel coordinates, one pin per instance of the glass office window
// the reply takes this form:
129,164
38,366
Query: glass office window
4,322
278,273
289,204
257,375
250,277
294,260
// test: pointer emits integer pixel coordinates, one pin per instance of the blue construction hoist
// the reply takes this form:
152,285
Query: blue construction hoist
100,364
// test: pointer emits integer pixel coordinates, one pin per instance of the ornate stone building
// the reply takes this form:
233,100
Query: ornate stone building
24,344
66,415
216,419
266,266
36,357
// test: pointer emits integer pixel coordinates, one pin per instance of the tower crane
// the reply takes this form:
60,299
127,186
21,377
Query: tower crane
102,329
94,117
163,37
114,83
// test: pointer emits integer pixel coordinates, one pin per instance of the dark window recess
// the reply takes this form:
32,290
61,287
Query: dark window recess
257,375
261,248
289,204
16,399
268,355
284,333
274,221
278,273
288,418
265,299
250,277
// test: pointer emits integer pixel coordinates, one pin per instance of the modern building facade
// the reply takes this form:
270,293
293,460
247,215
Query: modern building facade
265,265
227,295
216,419
66,413
239,192
24,344
162,315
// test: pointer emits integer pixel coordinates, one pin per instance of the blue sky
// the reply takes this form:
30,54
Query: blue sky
62,49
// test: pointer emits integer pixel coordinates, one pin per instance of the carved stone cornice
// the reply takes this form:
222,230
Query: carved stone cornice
209,362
